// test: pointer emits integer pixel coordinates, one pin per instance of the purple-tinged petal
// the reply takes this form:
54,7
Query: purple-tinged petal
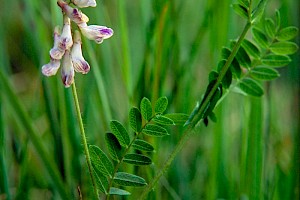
73,13
79,63
67,70
66,41
85,3
56,52
95,32
51,68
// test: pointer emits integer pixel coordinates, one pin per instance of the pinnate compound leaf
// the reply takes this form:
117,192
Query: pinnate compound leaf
283,48
163,120
120,132
100,161
251,87
240,10
117,191
287,33
146,109
114,147
101,181
276,60
142,145
260,38
137,159
154,130
251,49
135,119
178,118
270,27
264,73
125,179
161,105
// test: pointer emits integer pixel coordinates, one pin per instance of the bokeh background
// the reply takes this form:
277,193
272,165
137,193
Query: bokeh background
159,48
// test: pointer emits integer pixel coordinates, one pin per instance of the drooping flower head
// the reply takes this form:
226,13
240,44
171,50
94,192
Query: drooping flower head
68,51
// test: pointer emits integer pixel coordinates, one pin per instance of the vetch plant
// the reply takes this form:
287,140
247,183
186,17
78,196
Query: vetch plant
143,121
263,46
72,60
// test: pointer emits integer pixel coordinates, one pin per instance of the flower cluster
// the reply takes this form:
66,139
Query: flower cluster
66,51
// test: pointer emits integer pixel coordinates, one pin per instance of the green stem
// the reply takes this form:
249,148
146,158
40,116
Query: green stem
119,163
197,118
84,140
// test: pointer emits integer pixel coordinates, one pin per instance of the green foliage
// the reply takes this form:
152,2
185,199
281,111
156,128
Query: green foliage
146,109
125,179
270,48
120,132
119,146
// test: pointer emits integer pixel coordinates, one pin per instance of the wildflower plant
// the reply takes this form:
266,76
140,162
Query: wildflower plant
262,47
67,47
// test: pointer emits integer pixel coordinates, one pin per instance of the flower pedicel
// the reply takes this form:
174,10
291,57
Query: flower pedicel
69,50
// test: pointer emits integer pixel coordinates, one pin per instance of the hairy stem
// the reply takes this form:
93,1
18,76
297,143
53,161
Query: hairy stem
84,140
197,118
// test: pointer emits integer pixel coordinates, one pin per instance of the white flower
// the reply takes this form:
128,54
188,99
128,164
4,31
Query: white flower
65,41
51,68
79,63
85,3
95,32
56,52
73,13
67,70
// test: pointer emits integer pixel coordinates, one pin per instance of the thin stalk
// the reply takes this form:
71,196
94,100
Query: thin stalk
3,173
23,116
197,118
84,140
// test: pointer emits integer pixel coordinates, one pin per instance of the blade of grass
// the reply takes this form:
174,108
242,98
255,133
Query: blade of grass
4,184
24,118
255,149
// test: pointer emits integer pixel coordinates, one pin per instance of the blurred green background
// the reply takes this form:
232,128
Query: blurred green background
159,48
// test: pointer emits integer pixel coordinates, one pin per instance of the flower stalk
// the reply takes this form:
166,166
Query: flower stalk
84,140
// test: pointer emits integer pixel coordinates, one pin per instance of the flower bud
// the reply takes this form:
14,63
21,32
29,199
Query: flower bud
73,13
85,3
51,68
67,70
79,63
56,52
66,41
95,32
